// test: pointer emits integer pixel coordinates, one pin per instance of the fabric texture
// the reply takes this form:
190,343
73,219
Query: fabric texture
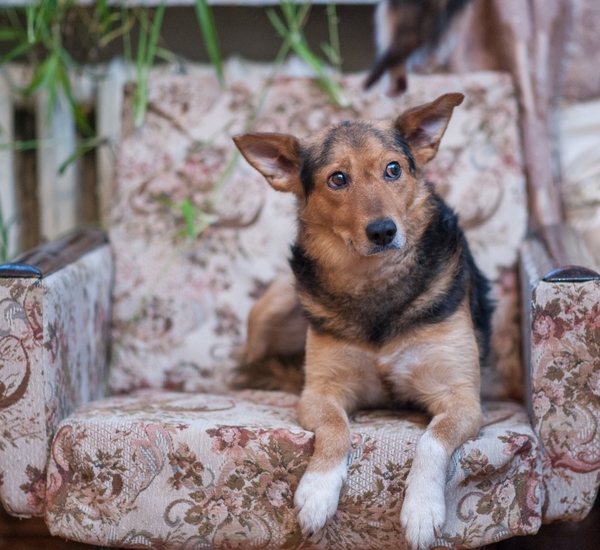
23,443
181,302
565,380
579,144
162,469
53,358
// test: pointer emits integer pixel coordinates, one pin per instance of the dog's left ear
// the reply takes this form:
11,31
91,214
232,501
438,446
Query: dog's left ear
275,156
423,127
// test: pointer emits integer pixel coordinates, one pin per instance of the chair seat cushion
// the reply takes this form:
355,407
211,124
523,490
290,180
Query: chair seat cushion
171,470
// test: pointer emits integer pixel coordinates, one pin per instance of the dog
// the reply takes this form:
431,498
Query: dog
405,27
385,297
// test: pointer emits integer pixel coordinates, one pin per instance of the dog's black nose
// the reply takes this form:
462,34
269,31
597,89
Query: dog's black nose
381,232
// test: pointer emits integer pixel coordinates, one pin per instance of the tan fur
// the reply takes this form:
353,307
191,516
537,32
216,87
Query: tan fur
276,324
439,369
274,351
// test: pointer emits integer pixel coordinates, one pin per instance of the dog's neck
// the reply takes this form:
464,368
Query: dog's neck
373,299
341,267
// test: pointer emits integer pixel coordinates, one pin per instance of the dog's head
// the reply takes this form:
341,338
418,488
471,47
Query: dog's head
357,181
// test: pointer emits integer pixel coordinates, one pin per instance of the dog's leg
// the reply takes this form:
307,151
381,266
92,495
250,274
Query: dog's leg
274,351
445,379
316,498
424,511
276,323
336,375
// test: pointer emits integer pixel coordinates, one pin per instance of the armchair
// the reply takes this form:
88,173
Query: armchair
173,459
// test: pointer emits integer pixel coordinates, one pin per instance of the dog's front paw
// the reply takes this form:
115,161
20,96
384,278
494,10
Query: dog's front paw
423,514
317,496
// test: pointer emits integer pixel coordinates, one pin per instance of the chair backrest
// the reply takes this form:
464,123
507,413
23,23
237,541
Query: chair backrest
181,303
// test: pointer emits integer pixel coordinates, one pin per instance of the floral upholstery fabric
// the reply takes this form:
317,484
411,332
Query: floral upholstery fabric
23,443
181,303
53,351
162,469
565,357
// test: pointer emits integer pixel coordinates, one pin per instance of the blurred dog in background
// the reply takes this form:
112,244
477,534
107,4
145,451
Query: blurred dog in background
404,27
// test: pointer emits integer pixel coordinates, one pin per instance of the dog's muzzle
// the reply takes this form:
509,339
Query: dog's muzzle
381,232
383,235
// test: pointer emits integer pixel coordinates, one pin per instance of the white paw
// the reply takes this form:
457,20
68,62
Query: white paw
423,514
317,496
424,509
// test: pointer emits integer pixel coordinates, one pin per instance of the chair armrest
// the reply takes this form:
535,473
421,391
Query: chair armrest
561,335
54,322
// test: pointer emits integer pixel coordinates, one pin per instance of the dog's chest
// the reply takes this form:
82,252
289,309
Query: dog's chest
373,316
397,366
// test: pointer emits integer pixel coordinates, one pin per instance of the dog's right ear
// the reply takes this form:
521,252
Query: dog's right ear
275,156
423,126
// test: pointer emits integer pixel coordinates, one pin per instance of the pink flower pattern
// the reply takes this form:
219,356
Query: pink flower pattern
232,484
53,343
565,393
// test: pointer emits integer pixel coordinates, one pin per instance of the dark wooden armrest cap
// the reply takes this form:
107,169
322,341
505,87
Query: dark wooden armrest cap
558,255
571,274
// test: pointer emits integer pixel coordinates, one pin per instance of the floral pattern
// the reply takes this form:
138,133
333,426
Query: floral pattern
181,304
169,470
23,443
77,304
565,402
53,348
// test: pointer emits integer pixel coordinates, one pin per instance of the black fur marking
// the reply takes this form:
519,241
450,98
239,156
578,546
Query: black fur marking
355,134
307,170
401,142
376,317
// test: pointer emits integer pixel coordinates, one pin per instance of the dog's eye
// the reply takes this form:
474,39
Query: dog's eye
393,171
337,180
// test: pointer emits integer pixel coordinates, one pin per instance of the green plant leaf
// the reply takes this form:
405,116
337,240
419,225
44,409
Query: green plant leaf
332,50
127,34
10,34
24,145
147,47
210,37
165,54
277,23
44,76
30,19
78,112
82,148
189,212
142,43
294,36
155,33
16,51
122,30
330,53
